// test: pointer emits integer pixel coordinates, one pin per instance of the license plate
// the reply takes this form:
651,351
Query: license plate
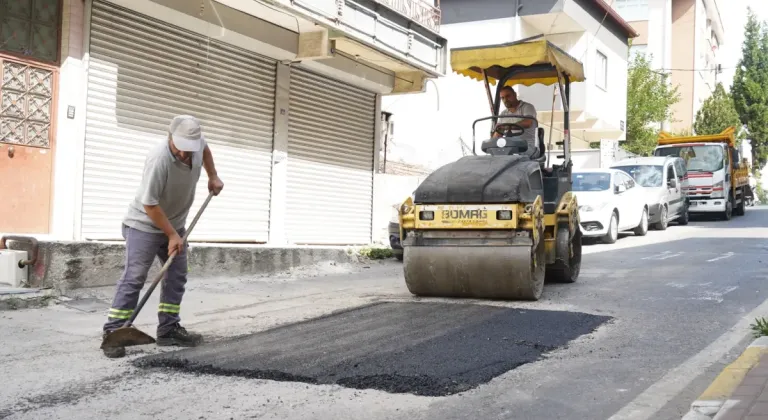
694,204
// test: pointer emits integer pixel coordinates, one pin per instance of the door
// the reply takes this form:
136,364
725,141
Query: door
674,194
629,209
26,145
142,73
330,161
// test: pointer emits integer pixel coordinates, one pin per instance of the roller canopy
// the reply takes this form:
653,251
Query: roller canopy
544,59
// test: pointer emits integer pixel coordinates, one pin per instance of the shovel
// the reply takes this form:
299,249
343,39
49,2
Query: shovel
128,335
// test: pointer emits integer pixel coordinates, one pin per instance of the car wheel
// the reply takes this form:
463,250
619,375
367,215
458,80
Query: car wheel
642,228
663,219
613,230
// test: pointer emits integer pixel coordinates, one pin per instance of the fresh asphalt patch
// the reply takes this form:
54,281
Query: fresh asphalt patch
429,349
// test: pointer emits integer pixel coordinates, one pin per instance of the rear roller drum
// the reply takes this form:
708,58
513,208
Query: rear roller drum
484,272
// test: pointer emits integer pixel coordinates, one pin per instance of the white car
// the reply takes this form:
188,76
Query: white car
609,202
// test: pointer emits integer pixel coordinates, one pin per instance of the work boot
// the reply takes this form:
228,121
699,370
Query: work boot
179,336
112,352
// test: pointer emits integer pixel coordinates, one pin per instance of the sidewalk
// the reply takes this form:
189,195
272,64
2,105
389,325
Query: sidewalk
750,399
740,392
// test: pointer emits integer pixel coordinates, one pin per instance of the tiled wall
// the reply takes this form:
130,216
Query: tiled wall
72,29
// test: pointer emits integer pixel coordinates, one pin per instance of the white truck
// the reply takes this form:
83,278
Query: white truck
718,180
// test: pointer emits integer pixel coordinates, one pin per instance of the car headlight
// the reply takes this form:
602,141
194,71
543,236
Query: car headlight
592,207
720,193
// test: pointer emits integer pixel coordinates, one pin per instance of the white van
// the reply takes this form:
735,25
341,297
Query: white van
665,182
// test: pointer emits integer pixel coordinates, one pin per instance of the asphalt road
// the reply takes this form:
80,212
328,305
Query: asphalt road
680,303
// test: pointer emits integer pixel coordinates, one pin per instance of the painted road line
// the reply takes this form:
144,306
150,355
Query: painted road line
655,397
717,395
722,257
664,255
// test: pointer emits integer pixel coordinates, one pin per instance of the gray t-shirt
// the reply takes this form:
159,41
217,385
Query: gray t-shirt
167,182
529,135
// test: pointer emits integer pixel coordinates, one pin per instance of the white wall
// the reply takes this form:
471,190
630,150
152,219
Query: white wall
389,190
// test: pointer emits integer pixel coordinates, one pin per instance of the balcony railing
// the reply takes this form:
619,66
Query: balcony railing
420,11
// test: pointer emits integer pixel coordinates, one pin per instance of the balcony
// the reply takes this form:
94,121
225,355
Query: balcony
401,36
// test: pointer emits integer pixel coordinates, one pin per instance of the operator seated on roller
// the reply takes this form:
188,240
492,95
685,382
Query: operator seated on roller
517,107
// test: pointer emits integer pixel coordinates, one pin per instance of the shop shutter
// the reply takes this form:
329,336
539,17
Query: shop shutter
142,72
330,161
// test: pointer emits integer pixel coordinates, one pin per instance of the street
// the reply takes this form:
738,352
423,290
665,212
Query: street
669,310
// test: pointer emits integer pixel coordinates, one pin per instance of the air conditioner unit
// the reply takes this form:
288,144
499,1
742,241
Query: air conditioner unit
11,273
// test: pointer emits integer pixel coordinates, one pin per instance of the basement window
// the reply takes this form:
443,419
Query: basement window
601,71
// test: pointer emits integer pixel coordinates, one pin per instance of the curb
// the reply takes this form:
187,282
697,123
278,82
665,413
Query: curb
718,394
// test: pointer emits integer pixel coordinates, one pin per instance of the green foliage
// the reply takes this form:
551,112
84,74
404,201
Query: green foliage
377,253
717,113
759,328
649,103
750,87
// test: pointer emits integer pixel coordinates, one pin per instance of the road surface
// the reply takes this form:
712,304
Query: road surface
649,324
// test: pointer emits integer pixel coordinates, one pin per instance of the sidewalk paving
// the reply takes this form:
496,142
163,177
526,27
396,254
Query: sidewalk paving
750,399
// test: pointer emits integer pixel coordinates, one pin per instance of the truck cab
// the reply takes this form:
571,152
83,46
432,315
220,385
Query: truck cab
715,175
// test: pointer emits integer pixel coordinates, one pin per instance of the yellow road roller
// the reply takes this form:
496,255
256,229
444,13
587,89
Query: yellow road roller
496,225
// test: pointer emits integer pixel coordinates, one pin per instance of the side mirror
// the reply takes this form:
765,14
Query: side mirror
672,183
618,189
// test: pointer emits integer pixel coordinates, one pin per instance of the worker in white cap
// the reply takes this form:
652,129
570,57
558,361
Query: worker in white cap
154,226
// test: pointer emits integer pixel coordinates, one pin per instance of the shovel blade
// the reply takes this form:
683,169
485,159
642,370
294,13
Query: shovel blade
125,337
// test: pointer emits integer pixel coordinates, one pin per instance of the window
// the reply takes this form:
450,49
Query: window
601,71
30,28
670,173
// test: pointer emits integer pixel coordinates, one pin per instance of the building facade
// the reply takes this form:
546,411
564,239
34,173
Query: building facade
435,127
682,38
289,94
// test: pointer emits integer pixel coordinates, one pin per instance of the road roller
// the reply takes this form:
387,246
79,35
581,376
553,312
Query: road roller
499,224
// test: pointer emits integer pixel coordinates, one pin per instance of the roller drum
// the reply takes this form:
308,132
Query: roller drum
484,272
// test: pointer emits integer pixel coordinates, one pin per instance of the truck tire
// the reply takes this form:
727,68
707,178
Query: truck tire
728,213
741,207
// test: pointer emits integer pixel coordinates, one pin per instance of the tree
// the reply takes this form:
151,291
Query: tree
750,87
717,113
649,103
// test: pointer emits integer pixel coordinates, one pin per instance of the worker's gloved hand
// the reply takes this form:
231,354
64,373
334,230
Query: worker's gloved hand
215,185
175,245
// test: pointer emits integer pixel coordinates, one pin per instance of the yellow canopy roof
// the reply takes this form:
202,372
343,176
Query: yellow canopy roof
496,60
728,135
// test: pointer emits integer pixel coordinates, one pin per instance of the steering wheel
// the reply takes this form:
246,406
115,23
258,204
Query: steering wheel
509,128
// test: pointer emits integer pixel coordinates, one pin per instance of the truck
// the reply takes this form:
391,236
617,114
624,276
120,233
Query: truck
717,179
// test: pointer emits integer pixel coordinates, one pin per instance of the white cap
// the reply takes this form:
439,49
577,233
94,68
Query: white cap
186,133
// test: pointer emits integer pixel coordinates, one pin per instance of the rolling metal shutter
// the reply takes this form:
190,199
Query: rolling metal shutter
330,161
143,72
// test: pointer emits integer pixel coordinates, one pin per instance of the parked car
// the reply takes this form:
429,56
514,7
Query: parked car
394,233
665,184
609,202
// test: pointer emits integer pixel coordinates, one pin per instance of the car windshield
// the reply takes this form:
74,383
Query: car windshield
591,181
645,175
704,158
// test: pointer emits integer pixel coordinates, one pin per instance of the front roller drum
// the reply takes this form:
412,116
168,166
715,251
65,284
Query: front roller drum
513,272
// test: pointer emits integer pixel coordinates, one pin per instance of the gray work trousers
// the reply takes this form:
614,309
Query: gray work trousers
140,251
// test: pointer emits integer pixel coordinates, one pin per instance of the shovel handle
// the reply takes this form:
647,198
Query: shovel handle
167,264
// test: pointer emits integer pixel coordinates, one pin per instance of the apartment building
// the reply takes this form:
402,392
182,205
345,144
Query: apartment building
435,127
683,38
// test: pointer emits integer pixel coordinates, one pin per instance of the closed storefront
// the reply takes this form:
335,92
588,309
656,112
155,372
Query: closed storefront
330,161
142,72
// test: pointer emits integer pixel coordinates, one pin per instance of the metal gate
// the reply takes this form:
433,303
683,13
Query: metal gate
142,72
330,161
